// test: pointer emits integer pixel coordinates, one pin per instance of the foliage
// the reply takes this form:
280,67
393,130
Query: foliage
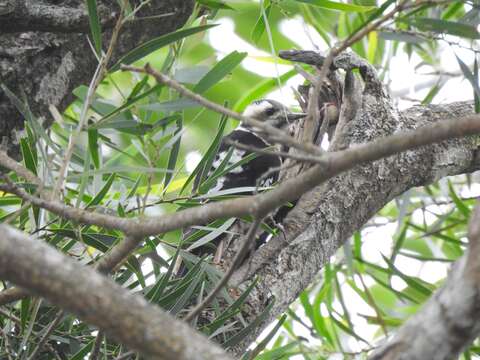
134,158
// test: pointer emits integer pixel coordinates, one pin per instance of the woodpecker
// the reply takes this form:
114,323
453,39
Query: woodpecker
270,112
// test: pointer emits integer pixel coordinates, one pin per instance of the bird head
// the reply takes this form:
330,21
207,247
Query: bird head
271,112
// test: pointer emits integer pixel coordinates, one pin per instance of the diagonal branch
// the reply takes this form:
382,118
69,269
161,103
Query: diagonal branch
98,300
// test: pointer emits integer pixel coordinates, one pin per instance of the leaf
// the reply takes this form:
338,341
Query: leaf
172,159
469,76
95,26
103,191
444,26
259,27
219,71
28,157
432,93
476,96
327,4
157,43
82,353
458,202
263,344
215,4
208,157
171,106
372,46
401,36
247,330
212,235
93,146
261,89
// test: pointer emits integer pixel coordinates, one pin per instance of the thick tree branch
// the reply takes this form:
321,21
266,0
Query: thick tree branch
326,217
98,300
331,164
450,320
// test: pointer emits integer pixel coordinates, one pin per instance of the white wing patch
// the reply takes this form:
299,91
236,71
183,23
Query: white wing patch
237,155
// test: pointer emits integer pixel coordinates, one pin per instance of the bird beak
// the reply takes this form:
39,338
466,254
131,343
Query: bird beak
295,116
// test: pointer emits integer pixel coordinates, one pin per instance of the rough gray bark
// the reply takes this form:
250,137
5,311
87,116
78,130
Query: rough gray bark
327,216
44,51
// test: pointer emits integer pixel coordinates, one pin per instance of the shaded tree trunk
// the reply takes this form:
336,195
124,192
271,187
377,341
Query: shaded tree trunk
45,52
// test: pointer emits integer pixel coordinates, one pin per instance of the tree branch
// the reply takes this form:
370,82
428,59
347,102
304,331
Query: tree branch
128,318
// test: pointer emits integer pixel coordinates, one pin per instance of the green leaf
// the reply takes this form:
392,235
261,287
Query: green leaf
332,5
263,344
80,355
247,330
95,26
476,96
157,43
469,76
172,159
103,191
28,157
259,27
206,162
261,89
458,202
219,71
215,4
401,36
93,146
444,27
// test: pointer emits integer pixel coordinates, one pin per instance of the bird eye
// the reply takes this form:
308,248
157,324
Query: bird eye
269,111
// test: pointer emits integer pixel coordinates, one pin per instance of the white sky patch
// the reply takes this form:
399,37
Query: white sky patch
303,34
224,39
191,160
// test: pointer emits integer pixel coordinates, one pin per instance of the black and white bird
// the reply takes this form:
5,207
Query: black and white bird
248,174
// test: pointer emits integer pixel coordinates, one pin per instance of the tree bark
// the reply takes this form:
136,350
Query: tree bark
45,53
325,218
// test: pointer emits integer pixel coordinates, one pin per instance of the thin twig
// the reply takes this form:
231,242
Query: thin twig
248,240
47,334
96,347
270,131
97,77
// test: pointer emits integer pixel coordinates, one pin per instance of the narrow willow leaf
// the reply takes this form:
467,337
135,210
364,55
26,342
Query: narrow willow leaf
476,96
372,46
333,5
157,43
402,36
444,27
412,281
242,334
103,192
259,27
157,291
432,93
215,4
28,157
172,159
219,71
212,235
95,26
263,344
93,146
207,158
458,202
262,89
469,76
82,353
